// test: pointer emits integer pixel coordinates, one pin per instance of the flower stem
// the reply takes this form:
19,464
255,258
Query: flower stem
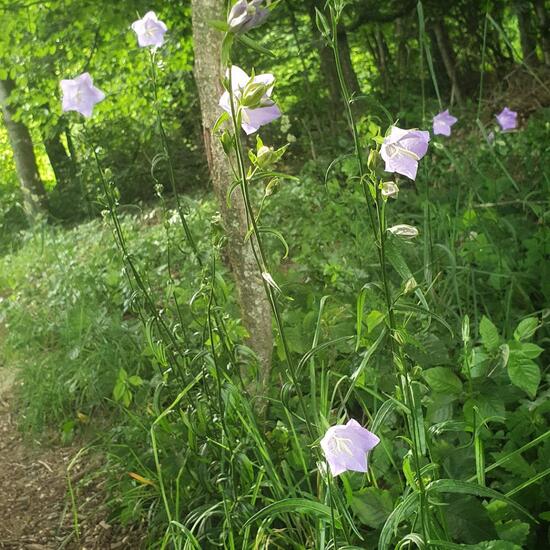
260,256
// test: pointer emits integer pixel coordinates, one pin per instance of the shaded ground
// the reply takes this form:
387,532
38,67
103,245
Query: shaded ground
35,509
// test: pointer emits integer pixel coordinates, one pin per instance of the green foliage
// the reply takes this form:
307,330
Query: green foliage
139,338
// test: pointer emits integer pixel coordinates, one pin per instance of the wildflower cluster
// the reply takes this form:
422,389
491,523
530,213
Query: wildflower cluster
247,101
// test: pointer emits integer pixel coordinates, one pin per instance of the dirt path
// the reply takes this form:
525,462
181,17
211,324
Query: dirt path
35,511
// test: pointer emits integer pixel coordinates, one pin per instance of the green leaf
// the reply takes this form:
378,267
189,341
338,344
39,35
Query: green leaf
526,329
532,351
292,506
467,519
254,45
372,506
456,486
135,380
489,334
524,373
443,380
515,531
118,391
404,509
218,25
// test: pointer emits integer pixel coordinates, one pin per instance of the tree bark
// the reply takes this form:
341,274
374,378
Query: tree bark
23,153
62,164
447,54
254,304
526,34
544,29
383,57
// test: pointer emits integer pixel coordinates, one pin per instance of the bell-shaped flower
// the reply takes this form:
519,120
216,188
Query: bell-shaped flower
80,95
507,119
442,123
253,95
346,446
402,150
150,30
246,15
404,231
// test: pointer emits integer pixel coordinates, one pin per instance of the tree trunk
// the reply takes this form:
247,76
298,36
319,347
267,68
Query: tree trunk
254,304
544,29
23,153
447,54
347,66
62,164
383,65
526,34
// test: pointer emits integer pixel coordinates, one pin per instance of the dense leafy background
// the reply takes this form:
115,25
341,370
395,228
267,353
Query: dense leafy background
90,368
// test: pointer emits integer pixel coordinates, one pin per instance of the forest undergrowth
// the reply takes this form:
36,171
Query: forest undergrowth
405,277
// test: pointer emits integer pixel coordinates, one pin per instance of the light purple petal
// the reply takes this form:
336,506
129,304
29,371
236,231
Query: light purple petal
80,95
442,123
253,119
239,79
346,447
507,119
402,165
149,30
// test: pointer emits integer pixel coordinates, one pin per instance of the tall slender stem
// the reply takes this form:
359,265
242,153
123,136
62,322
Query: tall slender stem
171,174
376,209
260,256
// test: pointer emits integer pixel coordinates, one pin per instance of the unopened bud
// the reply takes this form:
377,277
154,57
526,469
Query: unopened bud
374,159
404,231
253,95
265,156
410,285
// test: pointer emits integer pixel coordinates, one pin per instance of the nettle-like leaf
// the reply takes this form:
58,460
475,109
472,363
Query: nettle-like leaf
523,372
372,506
443,380
489,334
526,329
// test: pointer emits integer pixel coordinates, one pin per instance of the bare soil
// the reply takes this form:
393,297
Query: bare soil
35,508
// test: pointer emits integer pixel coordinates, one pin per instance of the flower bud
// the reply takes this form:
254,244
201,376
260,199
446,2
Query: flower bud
389,189
265,156
410,285
254,95
374,159
404,231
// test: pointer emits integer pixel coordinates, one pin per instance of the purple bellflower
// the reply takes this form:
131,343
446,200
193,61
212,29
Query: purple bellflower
402,150
507,119
246,15
80,95
245,91
442,123
150,30
346,447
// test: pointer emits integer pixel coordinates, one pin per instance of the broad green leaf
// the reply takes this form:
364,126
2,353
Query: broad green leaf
467,519
524,373
456,486
372,506
443,380
489,334
526,329
532,351
515,531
